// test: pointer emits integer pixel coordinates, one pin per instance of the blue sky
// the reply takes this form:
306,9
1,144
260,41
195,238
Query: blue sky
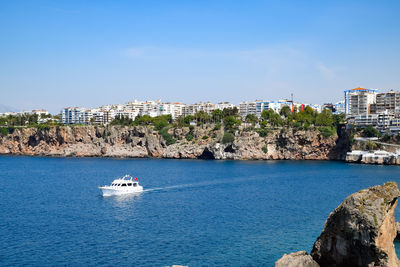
55,54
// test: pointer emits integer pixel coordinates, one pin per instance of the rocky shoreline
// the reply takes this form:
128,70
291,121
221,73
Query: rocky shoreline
359,232
145,141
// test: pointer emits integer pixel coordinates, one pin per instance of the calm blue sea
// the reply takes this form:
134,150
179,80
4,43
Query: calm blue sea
207,213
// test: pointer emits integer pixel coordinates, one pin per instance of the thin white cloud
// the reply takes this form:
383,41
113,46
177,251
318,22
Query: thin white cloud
268,72
135,52
328,73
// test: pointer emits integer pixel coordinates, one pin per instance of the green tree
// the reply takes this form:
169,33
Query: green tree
217,115
234,112
188,119
143,120
338,118
371,145
324,118
251,118
160,122
285,111
266,114
231,122
275,120
202,117
119,120
370,131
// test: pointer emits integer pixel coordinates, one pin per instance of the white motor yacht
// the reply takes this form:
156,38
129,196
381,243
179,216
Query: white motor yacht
120,186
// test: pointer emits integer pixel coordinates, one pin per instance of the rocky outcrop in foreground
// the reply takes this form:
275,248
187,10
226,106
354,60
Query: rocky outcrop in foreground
360,232
141,141
298,259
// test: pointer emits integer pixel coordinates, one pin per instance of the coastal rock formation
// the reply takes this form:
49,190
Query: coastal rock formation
142,141
360,232
298,259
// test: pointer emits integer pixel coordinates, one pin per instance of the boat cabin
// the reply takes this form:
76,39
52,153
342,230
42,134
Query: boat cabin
125,183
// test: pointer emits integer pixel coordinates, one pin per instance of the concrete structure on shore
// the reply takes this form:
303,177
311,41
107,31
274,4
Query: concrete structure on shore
374,157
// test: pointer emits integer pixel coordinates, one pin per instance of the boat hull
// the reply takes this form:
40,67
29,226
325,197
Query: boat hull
110,191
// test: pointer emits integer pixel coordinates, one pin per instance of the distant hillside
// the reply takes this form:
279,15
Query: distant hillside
5,108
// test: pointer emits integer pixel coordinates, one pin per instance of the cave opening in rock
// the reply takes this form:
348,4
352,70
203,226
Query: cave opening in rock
229,149
207,154
32,141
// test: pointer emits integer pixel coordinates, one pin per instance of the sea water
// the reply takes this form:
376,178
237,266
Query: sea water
193,212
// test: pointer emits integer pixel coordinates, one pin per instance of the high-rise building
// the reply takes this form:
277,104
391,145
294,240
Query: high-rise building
389,102
358,101
73,115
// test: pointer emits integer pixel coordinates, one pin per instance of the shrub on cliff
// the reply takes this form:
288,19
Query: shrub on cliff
228,138
217,126
167,137
189,137
6,130
3,131
265,149
262,132
327,131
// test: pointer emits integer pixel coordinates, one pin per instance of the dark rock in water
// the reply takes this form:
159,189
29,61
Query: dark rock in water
298,259
360,232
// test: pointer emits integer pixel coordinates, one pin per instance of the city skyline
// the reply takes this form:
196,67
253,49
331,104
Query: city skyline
95,53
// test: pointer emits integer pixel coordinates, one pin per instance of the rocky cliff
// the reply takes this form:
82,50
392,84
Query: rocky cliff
141,141
359,232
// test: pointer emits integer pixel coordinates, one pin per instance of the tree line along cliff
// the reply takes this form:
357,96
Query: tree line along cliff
223,134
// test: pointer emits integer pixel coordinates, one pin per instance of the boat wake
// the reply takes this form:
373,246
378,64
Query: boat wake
202,184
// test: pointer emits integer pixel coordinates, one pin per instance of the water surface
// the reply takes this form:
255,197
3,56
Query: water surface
202,213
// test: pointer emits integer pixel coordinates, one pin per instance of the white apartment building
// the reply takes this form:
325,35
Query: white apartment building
38,112
258,106
174,109
73,115
223,105
359,100
194,108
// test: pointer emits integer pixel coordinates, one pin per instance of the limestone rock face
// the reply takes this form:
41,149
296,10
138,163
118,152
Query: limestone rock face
141,141
360,232
298,259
